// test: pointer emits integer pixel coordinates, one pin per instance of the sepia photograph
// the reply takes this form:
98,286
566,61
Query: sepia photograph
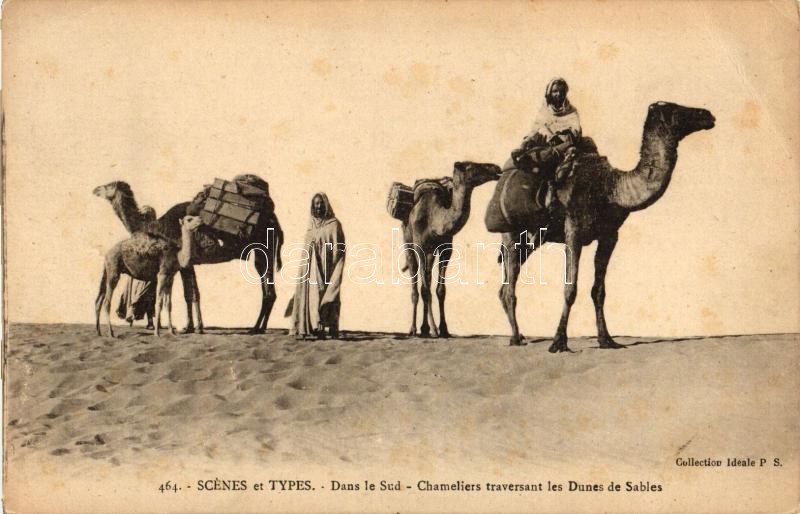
456,256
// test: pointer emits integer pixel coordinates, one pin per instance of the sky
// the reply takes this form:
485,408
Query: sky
347,98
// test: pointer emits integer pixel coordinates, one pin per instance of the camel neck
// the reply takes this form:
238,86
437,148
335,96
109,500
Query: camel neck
646,183
185,253
458,213
128,212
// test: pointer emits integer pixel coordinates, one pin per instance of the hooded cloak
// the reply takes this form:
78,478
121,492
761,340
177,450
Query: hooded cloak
138,296
316,298
552,120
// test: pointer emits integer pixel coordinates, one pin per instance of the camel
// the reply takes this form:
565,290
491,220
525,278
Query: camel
428,232
594,202
211,247
146,257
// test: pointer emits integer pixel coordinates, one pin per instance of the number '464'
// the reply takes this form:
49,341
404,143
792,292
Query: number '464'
168,486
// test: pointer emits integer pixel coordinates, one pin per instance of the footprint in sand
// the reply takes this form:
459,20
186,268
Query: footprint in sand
33,441
98,439
101,454
280,366
283,402
262,354
154,356
267,442
298,383
334,359
59,451
65,407
186,370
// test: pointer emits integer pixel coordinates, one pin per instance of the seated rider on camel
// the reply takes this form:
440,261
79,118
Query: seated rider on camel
551,143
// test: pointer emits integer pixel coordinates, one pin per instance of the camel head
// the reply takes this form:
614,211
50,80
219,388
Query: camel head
110,190
474,174
191,223
669,119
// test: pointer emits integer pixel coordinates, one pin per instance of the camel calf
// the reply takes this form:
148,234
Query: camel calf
147,257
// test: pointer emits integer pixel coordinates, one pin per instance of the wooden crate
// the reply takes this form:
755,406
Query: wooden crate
400,201
234,207
240,188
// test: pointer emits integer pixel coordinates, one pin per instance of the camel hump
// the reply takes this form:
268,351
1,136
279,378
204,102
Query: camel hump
586,145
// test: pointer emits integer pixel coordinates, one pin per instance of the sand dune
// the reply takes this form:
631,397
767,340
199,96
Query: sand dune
78,404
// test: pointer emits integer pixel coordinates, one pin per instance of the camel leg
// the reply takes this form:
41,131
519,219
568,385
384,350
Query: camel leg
441,289
428,327
98,303
513,259
196,302
189,282
160,292
268,295
200,326
413,265
605,247
168,302
112,277
573,246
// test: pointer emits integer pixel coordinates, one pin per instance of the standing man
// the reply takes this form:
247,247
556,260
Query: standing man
316,302
138,297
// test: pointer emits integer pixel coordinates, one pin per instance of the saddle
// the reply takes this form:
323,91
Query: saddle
521,195
583,154
442,187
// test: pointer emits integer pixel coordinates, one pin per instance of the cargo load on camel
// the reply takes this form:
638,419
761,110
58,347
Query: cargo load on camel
235,207
402,197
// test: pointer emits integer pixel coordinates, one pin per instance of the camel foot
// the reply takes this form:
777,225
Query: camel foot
187,330
172,331
443,332
607,343
518,342
200,330
412,332
424,331
149,327
559,344
255,330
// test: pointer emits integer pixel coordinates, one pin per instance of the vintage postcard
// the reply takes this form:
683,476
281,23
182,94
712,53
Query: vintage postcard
401,256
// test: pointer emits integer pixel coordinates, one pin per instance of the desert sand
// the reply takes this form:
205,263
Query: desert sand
142,410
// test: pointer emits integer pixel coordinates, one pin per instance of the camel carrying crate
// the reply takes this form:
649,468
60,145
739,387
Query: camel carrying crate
400,201
236,206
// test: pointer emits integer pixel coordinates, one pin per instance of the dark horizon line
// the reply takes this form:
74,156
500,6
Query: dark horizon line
395,333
